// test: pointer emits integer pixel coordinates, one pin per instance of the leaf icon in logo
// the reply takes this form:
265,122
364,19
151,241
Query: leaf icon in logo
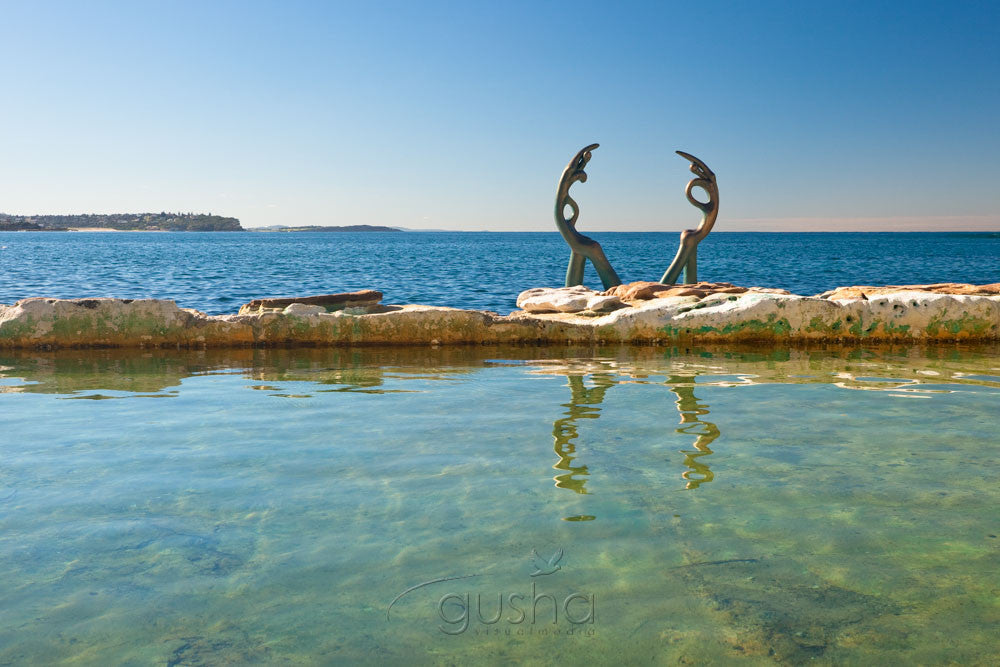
543,567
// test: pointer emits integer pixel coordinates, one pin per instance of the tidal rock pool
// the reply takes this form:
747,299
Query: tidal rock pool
540,505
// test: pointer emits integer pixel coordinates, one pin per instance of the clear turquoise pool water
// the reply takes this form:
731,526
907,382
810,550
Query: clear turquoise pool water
379,506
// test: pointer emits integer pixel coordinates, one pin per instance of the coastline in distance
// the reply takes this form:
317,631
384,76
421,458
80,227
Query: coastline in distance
124,222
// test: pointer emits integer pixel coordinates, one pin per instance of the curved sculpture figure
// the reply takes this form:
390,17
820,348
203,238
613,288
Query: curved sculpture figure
687,254
581,247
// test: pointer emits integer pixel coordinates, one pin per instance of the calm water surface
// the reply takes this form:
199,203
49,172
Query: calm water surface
612,505
216,272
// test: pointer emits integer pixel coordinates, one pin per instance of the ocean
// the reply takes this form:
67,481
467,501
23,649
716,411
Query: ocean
217,272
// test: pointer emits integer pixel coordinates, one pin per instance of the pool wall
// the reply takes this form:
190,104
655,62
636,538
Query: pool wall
752,317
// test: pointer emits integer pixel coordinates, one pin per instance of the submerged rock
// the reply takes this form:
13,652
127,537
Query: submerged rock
720,313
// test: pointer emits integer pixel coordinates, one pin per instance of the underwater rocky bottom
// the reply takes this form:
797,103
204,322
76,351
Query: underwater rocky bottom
439,505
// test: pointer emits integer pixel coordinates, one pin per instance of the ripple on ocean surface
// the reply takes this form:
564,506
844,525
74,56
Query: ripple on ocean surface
216,272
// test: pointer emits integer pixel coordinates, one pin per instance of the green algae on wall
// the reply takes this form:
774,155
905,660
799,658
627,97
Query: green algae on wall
966,324
17,329
772,327
818,324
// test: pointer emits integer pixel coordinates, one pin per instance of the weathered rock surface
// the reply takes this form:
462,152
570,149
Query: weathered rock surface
604,303
905,315
579,299
329,302
864,292
643,290
40,322
555,299
566,300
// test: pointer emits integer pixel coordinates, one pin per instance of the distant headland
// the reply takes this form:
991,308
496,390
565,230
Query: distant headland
157,222
123,222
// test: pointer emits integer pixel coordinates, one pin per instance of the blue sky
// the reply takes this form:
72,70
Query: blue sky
814,115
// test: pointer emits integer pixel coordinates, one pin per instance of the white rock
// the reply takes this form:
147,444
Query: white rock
604,304
555,299
303,310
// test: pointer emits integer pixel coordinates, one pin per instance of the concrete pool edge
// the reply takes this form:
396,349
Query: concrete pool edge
906,316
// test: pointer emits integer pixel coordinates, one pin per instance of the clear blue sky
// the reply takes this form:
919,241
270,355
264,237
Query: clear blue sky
814,115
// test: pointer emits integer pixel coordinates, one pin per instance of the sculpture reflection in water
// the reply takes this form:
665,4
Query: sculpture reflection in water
691,423
584,404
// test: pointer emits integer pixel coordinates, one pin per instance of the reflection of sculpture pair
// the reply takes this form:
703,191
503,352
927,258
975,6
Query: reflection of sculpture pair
583,248
584,404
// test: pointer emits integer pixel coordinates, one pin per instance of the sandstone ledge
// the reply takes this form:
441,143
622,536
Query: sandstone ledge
905,315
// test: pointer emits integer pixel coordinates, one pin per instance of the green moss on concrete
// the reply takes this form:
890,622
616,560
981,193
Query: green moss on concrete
145,324
772,327
14,329
966,324
860,331
819,325
72,326
895,329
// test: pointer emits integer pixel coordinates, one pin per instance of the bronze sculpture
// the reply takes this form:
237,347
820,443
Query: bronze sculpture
687,254
583,248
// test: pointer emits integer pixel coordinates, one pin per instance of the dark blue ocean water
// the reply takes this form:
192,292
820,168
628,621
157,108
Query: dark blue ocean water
216,272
